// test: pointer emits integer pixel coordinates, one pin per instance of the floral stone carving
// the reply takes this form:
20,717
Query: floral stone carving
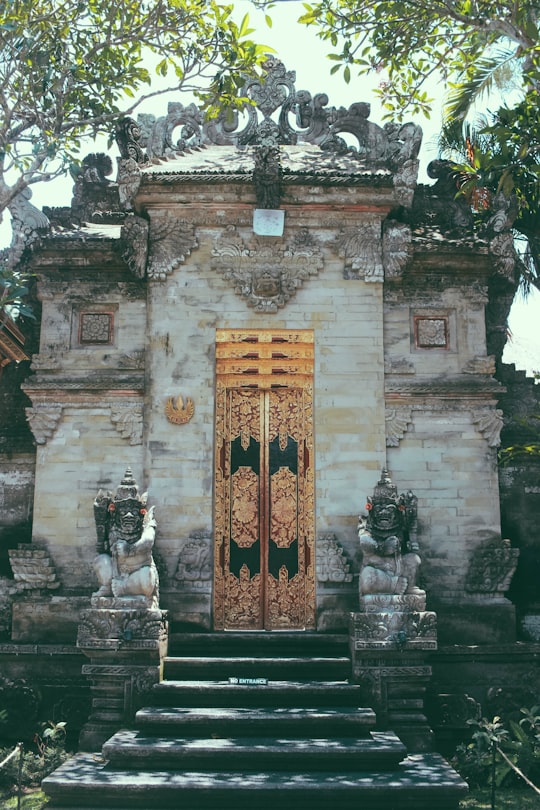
492,568
128,421
332,565
195,560
361,249
397,420
171,242
124,566
490,423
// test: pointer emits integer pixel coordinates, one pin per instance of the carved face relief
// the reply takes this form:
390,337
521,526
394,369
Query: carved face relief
266,284
128,518
385,516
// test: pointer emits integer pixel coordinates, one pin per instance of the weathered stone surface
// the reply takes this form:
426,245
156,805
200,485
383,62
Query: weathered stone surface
47,620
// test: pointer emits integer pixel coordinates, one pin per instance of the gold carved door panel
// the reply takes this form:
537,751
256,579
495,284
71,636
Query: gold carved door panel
264,516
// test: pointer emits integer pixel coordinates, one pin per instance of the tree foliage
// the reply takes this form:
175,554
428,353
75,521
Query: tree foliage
474,47
412,41
69,67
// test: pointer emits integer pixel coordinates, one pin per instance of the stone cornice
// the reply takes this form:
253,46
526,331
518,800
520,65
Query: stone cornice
379,179
459,386
123,384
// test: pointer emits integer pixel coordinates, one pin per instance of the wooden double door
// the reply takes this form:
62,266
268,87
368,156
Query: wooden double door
264,504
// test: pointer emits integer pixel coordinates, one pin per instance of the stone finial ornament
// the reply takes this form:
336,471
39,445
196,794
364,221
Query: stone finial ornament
124,566
28,225
388,542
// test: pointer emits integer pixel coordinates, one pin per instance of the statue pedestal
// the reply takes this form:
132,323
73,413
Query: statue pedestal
125,643
391,637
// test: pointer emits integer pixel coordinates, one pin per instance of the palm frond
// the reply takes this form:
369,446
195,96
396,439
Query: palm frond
492,72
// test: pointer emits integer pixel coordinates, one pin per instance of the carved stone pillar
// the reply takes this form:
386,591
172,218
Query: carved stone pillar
125,646
391,637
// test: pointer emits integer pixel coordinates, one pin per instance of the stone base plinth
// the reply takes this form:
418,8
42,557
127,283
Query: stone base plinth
390,639
126,649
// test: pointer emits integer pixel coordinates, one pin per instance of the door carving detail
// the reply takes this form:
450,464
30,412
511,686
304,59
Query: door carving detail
264,485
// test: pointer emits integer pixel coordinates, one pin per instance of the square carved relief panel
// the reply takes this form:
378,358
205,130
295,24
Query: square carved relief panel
431,332
96,327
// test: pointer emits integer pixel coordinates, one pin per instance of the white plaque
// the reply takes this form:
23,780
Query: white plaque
268,221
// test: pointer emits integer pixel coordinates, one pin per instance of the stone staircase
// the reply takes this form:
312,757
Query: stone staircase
266,720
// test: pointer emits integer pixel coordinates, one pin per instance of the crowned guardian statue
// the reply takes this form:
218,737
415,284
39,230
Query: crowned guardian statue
126,530
390,559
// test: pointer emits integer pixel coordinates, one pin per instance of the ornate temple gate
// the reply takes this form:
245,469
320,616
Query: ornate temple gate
264,481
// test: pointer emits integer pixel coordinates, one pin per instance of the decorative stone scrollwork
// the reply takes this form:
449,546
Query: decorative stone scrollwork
33,569
398,365
128,421
171,241
135,237
47,361
395,248
492,567
134,628
395,627
28,224
490,424
266,276
361,249
128,134
499,228
397,420
394,146
332,564
128,180
43,421
195,560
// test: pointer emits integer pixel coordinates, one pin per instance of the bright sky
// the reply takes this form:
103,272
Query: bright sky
300,50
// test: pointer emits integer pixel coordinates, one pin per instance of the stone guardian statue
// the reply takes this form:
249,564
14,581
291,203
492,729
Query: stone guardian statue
126,530
390,559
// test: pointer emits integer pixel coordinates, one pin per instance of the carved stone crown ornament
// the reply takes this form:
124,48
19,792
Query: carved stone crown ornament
302,118
289,116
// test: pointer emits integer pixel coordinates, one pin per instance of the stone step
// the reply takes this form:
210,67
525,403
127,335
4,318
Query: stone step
421,782
270,667
273,693
276,643
257,722
131,750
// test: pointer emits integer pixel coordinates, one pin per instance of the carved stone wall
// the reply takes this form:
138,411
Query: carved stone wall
397,309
